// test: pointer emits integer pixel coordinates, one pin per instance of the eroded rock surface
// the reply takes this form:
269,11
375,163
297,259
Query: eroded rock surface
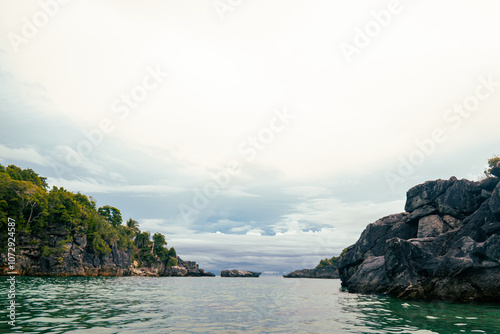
445,246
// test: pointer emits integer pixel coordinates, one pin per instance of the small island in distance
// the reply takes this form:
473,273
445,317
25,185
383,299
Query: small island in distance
239,273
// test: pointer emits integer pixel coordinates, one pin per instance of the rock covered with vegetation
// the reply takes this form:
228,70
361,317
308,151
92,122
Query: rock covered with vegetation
318,272
59,233
327,268
445,246
239,273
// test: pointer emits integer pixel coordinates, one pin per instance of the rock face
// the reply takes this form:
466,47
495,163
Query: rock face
318,272
238,273
445,246
77,258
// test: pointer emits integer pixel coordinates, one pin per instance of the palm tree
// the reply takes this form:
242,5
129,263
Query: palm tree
133,226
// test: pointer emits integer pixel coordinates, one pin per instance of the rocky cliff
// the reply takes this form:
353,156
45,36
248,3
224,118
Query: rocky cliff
445,246
74,257
318,272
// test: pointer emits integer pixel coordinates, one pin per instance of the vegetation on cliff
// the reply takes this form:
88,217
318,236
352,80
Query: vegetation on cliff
25,196
330,262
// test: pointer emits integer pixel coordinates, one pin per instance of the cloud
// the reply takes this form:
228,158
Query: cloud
25,154
92,185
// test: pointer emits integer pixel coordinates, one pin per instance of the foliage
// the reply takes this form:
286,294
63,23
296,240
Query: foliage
332,261
492,163
172,262
25,197
111,214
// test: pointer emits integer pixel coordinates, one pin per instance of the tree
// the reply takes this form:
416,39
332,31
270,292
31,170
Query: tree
172,252
159,246
332,261
133,226
33,201
29,175
172,262
493,162
142,240
111,214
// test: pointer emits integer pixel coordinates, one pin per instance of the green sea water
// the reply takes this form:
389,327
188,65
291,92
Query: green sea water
227,305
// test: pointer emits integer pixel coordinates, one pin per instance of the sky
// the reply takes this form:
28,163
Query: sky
256,135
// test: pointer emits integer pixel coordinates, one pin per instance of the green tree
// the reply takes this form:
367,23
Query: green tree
111,214
332,261
133,226
493,162
142,240
160,249
172,252
172,262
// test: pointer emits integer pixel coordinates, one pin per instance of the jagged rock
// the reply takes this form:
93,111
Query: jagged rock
489,183
460,199
495,171
192,269
426,193
318,272
238,273
175,271
447,246
430,226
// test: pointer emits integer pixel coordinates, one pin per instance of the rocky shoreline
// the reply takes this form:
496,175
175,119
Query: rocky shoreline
325,272
445,246
79,259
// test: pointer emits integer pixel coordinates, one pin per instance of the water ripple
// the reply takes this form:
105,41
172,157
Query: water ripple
131,305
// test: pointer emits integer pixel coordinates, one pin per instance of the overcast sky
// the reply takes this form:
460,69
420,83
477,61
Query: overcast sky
260,135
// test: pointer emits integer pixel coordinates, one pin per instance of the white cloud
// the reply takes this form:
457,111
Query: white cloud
92,185
26,154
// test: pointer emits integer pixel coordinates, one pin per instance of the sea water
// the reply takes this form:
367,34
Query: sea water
227,305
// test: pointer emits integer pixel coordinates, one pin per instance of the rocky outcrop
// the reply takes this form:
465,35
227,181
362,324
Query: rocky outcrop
445,246
71,255
318,272
66,255
186,269
238,273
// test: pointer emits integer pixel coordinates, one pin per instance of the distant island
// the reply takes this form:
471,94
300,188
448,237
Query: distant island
238,273
58,233
327,269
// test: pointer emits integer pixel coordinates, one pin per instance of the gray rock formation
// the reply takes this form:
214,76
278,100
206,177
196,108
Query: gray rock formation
238,273
445,246
318,272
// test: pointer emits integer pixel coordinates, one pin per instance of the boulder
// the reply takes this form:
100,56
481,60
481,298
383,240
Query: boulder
446,246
